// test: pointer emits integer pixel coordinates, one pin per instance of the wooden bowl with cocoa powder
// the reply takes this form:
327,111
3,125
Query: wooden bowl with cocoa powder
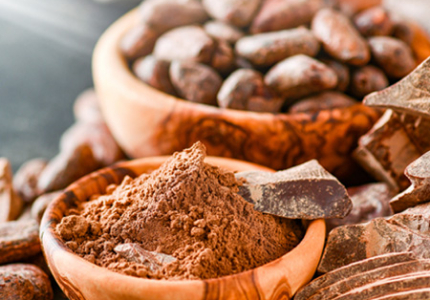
80,279
147,122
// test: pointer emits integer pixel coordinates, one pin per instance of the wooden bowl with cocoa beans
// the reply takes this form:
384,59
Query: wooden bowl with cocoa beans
81,279
149,122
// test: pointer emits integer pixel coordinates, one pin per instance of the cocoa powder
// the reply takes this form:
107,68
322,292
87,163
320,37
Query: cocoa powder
187,209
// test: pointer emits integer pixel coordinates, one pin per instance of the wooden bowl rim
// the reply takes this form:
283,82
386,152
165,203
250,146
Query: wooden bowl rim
315,229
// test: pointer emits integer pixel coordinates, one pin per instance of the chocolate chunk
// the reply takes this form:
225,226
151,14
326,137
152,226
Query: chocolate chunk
276,15
86,107
25,179
321,101
386,150
417,129
369,202
418,172
39,206
408,231
299,76
67,167
97,136
195,82
138,41
189,43
339,37
223,31
24,282
361,267
392,55
10,202
306,191
236,12
18,240
135,253
154,72
366,80
266,49
374,21
163,15
244,89
410,95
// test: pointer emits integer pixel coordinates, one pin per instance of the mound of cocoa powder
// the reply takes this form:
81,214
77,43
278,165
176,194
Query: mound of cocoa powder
187,209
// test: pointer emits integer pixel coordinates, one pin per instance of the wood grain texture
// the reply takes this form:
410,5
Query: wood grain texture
147,122
81,280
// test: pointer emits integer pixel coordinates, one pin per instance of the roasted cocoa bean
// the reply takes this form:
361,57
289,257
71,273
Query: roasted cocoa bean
366,80
223,31
138,41
342,72
339,37
266,49
25,179
324,100
39,206
223,57
374,21
11,203
352,7
236,12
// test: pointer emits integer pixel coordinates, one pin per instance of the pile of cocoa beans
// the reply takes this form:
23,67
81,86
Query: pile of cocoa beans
269,55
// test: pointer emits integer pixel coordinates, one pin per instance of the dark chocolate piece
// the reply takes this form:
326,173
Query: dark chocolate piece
306,191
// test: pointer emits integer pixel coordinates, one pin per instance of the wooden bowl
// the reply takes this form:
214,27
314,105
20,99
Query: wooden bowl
147,122
80,279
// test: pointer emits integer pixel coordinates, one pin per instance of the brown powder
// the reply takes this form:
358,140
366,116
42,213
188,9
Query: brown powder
187,209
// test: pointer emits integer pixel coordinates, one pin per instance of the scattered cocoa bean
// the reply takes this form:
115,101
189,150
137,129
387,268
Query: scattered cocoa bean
138,41
403,31
11,203
244,89
96,135
86,107
386,150
342,72
163,15
195,82
18,240
39,206
236,12
266,49
223,57
306,191
339,37
223,31
392,55
321,101
369,202
299,76
24,282
352,7
25,179
280,14
67,167
366,80
154,72
190,43
374,21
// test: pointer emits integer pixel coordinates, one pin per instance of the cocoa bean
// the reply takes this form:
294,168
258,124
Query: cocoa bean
86,107
67,167
392,55
18,240
138,41
190,43
339,37
366,80
374,21
342,72
11,203
39,206
321,101
163,15
266,49
195,82
352,7
236,12
403,31
244,89
299,76
154,72
223,31
25,179
280,14
223,58
24,282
